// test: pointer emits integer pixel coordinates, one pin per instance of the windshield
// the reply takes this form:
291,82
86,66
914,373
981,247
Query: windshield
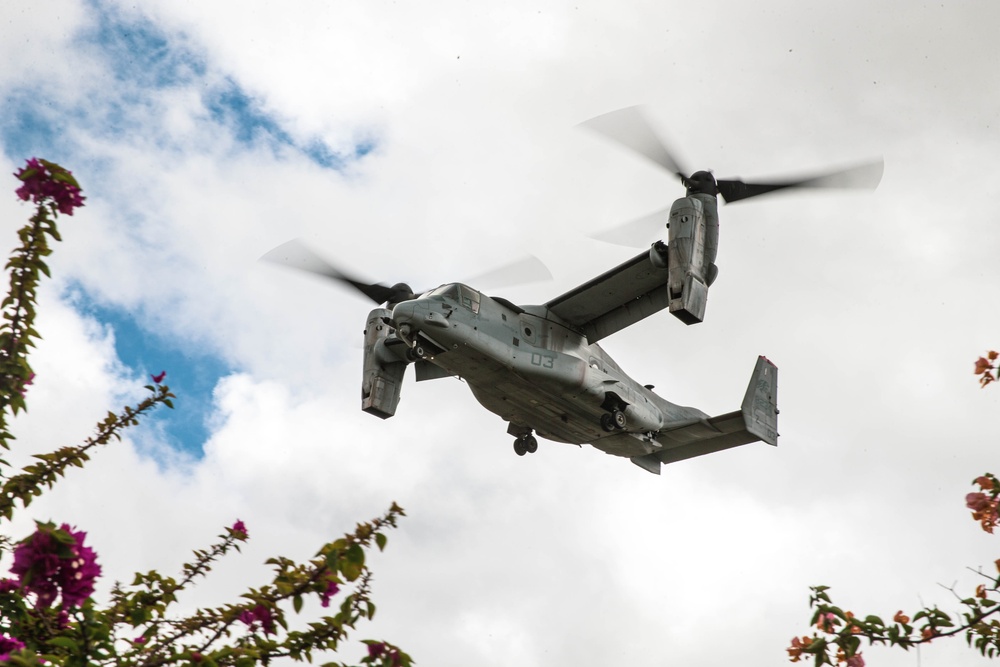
466,296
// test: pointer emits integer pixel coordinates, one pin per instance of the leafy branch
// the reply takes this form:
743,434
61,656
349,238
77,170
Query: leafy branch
53,465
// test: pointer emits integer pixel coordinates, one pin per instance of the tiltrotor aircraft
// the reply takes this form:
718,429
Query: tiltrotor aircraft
540,367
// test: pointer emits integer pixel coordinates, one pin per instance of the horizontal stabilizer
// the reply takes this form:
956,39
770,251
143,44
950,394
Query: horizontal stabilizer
757,420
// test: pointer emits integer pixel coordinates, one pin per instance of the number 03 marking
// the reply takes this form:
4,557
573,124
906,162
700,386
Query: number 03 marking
543,360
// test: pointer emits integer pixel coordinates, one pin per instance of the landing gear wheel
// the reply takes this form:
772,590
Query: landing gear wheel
619,418
607,422
530,444
418,351
519,447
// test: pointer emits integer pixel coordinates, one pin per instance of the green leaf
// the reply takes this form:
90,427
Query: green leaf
380,540
297,603
355,554
351,571
64,642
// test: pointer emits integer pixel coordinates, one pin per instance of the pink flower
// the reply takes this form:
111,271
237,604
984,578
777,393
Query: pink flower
8,645
79,575
985,510
50,562
856,661
261,614
826,622
331,589
239,531
976,501
27,383
43,180
159,378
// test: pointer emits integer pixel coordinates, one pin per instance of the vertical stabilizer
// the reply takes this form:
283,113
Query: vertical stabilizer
760,405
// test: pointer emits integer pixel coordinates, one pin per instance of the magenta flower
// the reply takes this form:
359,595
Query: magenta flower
239,531
79,575
331,589
376,649
260,614
50,562
9,585
43,180
159,378
27,383
8,645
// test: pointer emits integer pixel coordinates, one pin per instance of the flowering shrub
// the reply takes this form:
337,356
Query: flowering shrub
48,614
46,183
52,562
839,633
986,368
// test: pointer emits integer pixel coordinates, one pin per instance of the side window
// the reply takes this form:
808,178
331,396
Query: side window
470,299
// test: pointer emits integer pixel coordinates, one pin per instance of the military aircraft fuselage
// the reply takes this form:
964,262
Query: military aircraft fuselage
533,370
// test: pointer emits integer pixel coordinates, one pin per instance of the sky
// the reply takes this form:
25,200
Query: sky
428,143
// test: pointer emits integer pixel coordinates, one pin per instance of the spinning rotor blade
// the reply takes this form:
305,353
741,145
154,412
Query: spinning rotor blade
865,176
636,233
525,270
294,254
631,129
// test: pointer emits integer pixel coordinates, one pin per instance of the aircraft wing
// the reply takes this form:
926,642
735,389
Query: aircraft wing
756,420
616,299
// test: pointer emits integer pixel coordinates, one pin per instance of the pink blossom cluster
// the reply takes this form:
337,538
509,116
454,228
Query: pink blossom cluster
43,180
8,645
985,367
259,614
985,507
331,589
239,531
49,565
377,650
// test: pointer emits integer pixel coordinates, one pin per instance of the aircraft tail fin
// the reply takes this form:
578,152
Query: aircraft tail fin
756,420
760,405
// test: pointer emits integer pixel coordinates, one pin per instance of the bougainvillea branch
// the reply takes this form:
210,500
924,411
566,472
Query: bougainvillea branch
53,190
48,614
53,465
838,634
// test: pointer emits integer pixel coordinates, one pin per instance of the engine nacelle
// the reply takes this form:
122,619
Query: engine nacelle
692,248
384,367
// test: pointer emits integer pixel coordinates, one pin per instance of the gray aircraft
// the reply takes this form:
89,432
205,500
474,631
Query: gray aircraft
540,367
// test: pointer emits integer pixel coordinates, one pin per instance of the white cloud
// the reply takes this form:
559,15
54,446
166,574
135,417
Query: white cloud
873,307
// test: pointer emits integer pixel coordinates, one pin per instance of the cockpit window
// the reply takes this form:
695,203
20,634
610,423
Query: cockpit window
470,298
466,296
450,291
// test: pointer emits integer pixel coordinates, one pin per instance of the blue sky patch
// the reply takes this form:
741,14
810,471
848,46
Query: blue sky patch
232,107
191,374
138,60
29,128
138,53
